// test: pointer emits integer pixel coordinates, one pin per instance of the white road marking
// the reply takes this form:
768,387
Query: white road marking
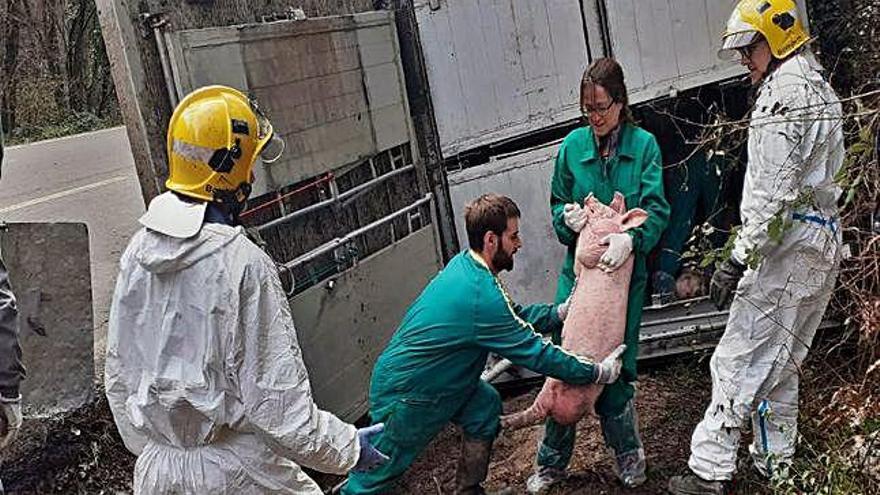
62,194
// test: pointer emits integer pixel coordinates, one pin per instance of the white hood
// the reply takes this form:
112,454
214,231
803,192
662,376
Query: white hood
160,253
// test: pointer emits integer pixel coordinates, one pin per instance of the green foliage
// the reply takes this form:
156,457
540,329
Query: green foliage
712,257
852,175
833,467
75,123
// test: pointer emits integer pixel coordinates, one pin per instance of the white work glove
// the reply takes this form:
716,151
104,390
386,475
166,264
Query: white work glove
10,420
619,248
609,369
575,217
562,309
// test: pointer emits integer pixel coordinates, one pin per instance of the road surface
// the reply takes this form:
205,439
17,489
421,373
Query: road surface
87,178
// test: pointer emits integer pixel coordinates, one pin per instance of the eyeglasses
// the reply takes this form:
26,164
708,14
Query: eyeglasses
747,51
601,111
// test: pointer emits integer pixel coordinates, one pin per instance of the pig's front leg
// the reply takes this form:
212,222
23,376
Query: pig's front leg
588,254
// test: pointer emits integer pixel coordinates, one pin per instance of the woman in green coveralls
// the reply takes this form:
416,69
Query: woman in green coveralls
610,154
429,374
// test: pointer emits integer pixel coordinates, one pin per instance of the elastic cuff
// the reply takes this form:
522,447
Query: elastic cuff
10,394
596,373
557,319
636,240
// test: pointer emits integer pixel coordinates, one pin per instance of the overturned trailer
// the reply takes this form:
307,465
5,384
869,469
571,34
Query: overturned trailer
395,114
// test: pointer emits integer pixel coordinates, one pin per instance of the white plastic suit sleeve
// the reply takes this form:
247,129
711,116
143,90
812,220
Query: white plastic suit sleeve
274,383
775,168
115,386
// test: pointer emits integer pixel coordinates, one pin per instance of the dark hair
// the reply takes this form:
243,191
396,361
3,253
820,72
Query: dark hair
606,72
488,213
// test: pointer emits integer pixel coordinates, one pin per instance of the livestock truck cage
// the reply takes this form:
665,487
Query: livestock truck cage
395,113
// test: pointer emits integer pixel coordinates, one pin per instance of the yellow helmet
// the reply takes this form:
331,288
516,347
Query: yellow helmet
215,135
777,20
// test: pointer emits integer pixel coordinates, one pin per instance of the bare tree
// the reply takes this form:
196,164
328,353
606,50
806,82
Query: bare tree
8,82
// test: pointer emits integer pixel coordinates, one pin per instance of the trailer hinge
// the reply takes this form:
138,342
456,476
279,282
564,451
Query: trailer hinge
150,22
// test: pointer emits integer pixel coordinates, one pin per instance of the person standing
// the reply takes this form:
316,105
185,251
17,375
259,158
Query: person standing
609,154
204,375
780,283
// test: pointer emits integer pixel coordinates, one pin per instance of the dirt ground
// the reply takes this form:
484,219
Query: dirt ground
82,453
79,453
671,399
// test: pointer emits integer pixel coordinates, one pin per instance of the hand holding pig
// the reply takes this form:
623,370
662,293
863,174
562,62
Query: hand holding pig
608,369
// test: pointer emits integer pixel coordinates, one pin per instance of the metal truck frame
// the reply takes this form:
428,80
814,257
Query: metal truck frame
398,112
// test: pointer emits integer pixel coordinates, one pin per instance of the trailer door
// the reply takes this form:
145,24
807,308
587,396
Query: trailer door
500,68
346,212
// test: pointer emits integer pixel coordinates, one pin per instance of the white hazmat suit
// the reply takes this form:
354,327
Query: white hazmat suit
795,149
204,375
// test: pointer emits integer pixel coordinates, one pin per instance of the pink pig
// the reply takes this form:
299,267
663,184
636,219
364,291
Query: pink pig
596,319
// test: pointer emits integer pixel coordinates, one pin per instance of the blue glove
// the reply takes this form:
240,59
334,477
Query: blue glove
370,457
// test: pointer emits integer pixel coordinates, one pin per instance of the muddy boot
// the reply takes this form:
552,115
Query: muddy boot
630,468
691,484
473,465
621,434
544,478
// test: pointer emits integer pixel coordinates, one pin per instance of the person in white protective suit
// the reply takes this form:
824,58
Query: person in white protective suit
204,375
781,285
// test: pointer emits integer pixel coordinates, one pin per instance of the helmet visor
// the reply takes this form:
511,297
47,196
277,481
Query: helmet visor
272,150
731,43
273,146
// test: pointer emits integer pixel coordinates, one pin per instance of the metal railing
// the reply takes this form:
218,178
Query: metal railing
336,197
342,263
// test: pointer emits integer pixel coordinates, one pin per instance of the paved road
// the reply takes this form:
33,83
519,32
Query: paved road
87,178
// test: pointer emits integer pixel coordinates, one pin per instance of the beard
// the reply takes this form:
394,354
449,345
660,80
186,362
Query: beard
502,261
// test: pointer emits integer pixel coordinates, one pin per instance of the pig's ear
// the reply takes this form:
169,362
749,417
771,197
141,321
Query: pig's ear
618,204
633,218
587,199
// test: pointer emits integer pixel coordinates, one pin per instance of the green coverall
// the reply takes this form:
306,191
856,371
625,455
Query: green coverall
692,188
636,171
430,372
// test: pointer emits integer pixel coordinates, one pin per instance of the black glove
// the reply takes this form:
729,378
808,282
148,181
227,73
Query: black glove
724,282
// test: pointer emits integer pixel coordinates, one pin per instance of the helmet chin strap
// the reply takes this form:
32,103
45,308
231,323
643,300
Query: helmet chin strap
232,202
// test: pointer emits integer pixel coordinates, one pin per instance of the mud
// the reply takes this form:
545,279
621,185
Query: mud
81,452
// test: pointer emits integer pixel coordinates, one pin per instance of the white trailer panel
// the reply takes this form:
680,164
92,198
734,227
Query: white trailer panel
666,46
525,178
333,86
500,68
344,326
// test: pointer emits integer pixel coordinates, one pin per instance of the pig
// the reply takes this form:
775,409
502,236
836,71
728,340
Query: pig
690,284
596,319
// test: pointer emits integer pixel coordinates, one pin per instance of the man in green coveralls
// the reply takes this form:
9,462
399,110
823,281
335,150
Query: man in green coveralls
430,372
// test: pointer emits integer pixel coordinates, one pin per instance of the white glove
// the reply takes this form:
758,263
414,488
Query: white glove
609,369
575,217
562,309
10,420
619,248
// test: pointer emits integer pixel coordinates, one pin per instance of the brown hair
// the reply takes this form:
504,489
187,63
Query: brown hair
606,72
488,213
